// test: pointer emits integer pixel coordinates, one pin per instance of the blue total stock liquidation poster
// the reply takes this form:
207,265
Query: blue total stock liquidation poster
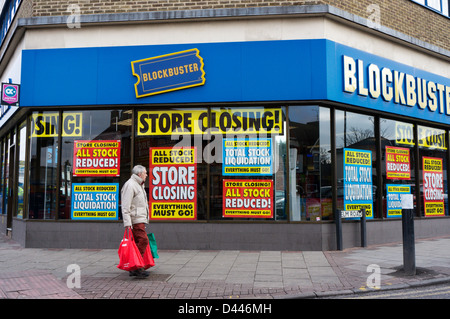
358,190
95,201
394,194
248,157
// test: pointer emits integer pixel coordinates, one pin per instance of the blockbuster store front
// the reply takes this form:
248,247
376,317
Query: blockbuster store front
248,145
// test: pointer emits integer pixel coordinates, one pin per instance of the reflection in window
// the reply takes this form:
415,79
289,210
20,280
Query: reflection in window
310,163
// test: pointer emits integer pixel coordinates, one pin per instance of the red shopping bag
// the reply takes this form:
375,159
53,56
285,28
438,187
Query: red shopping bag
129,256
148,258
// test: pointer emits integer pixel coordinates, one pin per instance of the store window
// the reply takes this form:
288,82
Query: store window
213,163
95,163
21,152
356,162
170,143
310,163
249,178
2,176
43,165
433,171
397,167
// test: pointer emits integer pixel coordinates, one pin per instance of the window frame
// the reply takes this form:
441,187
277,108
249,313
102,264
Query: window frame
441,11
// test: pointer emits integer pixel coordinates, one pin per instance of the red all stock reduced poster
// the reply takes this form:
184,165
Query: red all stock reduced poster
96,158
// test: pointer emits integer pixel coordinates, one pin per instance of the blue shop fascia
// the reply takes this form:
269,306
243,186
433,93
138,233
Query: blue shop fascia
315,107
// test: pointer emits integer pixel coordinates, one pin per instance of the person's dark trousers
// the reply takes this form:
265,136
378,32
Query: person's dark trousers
141,240
140,237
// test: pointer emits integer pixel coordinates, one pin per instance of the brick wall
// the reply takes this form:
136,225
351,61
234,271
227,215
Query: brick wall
400,15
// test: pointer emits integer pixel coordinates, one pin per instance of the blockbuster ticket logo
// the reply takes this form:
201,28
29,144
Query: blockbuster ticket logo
170,72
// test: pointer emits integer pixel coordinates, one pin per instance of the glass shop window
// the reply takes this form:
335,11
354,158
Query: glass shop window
43,165
2,176
310,163
170,143
21,147
397,167
433,171
95,163
217,163
356,162
248,178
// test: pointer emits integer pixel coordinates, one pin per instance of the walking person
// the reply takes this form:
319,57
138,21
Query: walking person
135,211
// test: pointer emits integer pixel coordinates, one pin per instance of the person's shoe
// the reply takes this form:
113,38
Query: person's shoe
133,273
141,273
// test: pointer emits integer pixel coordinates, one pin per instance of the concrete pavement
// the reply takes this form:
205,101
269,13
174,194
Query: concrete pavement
197,274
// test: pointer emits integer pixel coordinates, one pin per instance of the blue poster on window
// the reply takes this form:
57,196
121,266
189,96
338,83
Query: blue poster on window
249,157
358,190
95,201
394,199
